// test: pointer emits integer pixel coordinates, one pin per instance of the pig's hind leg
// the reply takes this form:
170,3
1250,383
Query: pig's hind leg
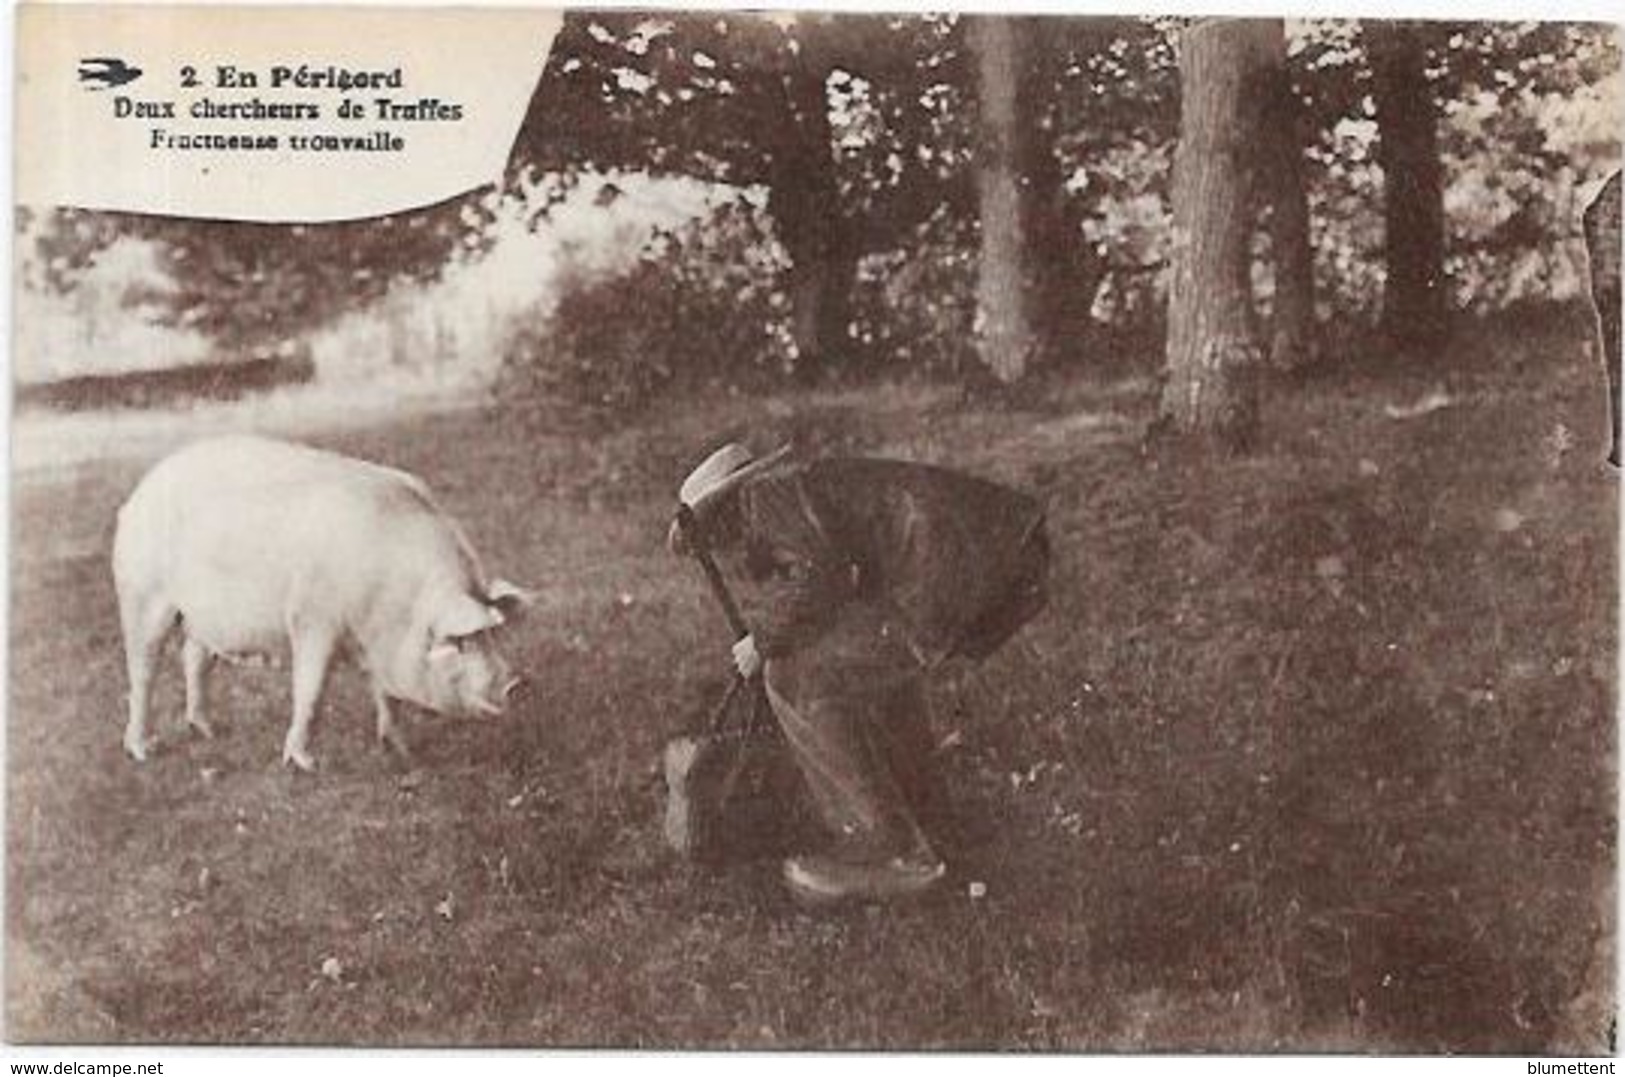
195,662
313,646
146,621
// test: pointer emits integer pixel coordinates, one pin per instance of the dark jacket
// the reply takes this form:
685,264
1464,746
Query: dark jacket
961,561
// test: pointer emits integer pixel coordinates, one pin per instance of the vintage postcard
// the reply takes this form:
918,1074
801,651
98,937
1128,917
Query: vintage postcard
540,528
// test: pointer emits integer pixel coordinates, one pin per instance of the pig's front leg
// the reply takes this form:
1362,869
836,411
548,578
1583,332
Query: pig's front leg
313,645
145,623
389,731
195,662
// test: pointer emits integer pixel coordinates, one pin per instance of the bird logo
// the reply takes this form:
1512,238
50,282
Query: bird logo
106,72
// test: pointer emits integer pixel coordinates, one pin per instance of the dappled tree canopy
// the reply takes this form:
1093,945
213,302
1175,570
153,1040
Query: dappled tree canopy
859,127
1525,115
851,142
703,96
249,285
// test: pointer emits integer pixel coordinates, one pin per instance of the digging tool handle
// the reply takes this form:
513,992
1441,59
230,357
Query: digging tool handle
719,715
713,575
725,598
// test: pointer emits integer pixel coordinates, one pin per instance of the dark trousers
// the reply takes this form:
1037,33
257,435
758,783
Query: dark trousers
853,708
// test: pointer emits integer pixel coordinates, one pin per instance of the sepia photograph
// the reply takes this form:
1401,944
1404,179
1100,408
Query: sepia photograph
806,531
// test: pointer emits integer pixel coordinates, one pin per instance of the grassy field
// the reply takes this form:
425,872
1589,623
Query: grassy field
1313,750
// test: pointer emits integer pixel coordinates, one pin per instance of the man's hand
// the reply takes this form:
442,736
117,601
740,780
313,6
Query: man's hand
746,658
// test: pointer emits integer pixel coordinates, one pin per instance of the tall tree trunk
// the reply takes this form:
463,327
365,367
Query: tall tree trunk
804,201
1065,269
1006,337
1227,68
1293,313
1600,227
1414,308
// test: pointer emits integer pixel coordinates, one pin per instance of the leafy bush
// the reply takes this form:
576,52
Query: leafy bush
914,307
700,307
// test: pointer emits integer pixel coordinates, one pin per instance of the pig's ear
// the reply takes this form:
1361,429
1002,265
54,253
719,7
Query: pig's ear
509,599
463,616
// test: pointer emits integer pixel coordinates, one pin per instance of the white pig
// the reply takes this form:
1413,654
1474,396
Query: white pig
254,546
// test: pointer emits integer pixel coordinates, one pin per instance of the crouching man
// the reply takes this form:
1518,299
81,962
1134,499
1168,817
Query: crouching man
868,574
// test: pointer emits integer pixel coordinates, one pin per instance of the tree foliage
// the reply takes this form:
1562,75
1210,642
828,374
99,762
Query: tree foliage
733,97
247,285
1499,90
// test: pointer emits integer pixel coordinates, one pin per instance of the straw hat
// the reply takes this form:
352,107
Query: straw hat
722,472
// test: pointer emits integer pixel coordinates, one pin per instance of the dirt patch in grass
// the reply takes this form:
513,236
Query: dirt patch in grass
1313,750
